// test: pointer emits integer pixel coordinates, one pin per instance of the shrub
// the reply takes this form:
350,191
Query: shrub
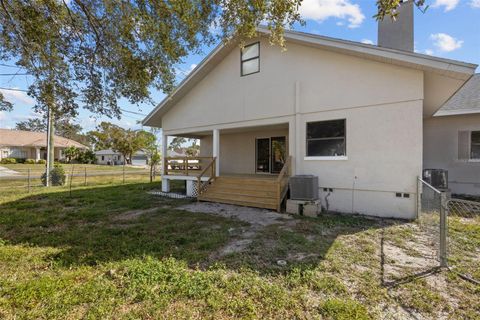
41,161
8,161
86,157
20,160
29,161
57,176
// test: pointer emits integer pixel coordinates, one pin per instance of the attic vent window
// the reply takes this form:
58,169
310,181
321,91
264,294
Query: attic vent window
250,59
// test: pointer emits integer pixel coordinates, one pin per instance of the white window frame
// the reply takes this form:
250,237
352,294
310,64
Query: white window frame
325,158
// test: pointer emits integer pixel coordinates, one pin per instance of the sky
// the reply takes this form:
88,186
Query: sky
448,29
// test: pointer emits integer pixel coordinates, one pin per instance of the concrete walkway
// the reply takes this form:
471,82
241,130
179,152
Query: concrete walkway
5,172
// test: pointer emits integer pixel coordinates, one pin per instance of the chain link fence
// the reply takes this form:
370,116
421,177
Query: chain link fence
412,248
28,179
463,237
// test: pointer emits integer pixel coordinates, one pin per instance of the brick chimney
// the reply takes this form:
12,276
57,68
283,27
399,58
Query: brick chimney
397,34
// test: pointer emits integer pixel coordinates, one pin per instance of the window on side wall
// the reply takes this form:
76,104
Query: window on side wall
475,145
250,59
326,139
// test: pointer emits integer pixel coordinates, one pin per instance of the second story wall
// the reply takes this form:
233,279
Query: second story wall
326,81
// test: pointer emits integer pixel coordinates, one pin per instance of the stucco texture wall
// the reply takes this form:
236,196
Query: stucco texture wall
237,150
382,105
441,151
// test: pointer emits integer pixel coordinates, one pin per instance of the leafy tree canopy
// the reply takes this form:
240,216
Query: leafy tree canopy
63,128
96,51
125,141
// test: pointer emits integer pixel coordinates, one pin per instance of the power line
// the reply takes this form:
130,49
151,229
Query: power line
123,110
14,74
13,89
137,113
9,66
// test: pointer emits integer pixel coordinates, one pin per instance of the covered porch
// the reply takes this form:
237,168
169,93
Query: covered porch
247,165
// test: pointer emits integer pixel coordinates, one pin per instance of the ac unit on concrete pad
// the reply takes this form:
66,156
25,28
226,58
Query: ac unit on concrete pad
304,187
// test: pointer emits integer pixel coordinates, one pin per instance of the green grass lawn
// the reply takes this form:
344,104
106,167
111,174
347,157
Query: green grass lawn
116,252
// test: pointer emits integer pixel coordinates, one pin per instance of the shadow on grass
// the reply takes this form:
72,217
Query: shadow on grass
104,224
113,223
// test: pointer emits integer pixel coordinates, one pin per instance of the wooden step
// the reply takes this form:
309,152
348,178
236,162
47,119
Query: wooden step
239,197
249,181
255,192
259,192
240,203
244,184
241,186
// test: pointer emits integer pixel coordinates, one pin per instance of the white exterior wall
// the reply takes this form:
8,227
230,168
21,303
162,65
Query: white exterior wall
382,103
237,150
441,151
109,157
27,153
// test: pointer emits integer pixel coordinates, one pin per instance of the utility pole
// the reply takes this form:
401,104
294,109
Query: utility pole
50,148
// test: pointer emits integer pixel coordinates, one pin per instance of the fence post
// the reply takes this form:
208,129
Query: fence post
443,230
85,182
419,197
71,179
124,173
28,181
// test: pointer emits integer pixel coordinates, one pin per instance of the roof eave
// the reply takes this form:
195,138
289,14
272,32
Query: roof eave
447,67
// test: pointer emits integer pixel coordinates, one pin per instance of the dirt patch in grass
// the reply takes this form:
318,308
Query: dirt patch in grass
257,220
252,216
133,214
107,257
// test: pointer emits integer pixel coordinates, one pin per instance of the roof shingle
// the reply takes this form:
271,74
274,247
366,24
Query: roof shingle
465,101
19,138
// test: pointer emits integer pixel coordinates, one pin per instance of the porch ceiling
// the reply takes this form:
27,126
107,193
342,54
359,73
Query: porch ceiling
201,134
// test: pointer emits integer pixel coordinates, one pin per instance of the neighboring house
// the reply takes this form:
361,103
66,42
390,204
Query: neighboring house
110,157
452,139
350,113
177,152
32,145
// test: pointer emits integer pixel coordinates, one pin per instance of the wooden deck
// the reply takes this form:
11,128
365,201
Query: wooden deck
252,190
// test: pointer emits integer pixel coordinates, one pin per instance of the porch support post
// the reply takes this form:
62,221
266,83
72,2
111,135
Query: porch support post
216,150
37,153
292,137
297,136
164,152
165,181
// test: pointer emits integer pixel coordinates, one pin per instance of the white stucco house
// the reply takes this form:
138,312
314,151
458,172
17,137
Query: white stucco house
21,144
350,113
110,157
452,139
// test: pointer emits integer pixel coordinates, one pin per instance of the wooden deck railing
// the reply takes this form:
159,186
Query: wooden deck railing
282,181
188,166
200,186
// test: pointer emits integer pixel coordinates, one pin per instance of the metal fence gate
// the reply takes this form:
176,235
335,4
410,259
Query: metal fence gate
444,236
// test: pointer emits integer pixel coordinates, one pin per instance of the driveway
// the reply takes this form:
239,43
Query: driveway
5,172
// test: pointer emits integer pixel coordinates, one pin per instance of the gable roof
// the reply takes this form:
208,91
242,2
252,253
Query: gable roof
445,67
106,152
20,138
115,153
465,101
